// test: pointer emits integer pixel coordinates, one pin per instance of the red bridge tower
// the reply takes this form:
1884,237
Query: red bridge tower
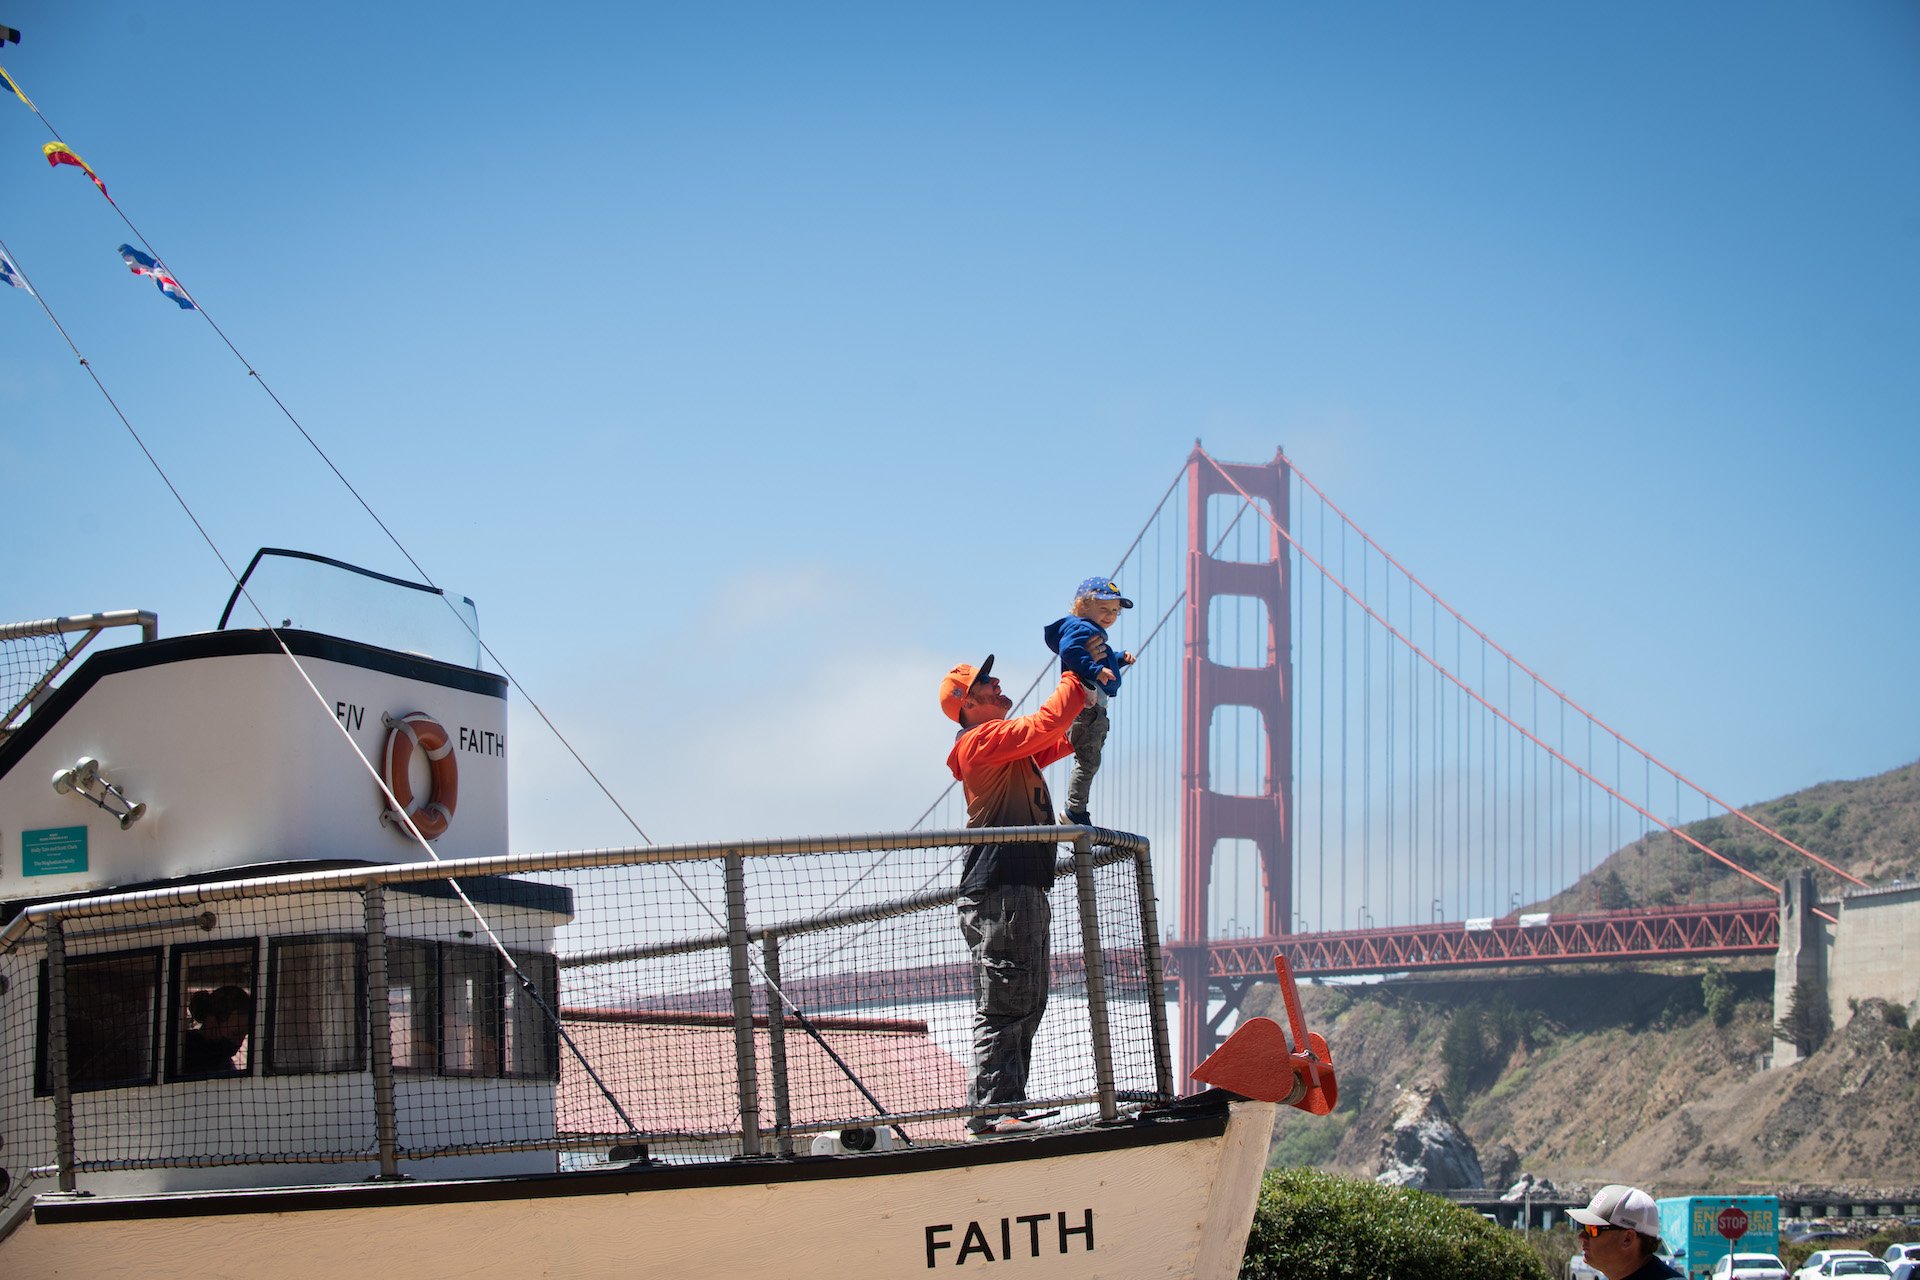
1207,816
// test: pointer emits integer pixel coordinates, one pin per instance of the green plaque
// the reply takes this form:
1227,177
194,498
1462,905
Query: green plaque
54,851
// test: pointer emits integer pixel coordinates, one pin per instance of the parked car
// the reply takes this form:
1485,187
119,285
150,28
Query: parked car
1810,1235
1897,1253
1819,1265
1868,1266
1750,1266
1907,1270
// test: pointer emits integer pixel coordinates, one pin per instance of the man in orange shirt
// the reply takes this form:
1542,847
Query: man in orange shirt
1005,912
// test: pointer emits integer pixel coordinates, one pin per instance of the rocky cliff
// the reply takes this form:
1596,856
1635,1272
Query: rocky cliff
1598,1076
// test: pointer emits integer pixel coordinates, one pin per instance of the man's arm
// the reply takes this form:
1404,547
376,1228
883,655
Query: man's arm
1041,734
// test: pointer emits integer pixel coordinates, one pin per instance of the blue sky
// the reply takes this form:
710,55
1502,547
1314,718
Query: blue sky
751,364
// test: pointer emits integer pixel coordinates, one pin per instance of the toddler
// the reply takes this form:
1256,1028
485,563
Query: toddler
1080,639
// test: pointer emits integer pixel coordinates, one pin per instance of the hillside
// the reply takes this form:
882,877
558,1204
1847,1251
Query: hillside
1594,1077
1870,826
1599,1074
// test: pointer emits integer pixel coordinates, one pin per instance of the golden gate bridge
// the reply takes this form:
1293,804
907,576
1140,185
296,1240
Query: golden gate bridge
1334,763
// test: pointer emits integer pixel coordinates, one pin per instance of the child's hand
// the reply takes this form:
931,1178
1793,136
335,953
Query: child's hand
1126,659
1105,676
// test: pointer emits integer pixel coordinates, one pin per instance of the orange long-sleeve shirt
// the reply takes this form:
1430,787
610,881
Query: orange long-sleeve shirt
998,764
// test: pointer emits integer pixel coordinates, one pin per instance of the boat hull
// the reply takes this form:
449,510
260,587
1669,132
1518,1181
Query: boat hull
1157,1197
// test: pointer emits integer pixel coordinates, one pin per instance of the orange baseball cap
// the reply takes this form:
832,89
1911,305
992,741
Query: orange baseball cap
958,683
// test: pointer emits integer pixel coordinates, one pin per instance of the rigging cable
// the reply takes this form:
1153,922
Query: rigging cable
347,484
526,983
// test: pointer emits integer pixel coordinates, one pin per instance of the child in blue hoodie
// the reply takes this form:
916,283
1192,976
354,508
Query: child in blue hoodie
1080,639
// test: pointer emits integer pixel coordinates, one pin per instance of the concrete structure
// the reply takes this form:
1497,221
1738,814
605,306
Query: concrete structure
1874,950
1805,940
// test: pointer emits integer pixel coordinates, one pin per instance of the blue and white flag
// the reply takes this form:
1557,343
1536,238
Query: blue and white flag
141,265
11,275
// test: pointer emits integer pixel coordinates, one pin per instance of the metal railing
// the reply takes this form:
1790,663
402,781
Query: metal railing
754,955
88,626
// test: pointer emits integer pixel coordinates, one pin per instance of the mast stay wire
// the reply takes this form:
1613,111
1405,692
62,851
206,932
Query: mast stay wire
526,983
409,829
347,484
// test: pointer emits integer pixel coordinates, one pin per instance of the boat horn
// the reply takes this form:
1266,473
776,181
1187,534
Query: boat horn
86,780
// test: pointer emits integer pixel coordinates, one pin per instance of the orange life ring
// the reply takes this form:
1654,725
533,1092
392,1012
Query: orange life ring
432,813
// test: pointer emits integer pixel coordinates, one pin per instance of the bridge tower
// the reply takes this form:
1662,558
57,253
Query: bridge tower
1207,816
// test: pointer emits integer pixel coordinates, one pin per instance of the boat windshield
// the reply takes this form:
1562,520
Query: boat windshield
313,593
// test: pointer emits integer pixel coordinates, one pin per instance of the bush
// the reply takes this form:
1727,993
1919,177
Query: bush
1716,992
1807,1024
1316,1226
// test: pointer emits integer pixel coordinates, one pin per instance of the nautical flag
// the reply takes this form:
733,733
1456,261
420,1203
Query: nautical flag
7,80
11,274
141,265
59,153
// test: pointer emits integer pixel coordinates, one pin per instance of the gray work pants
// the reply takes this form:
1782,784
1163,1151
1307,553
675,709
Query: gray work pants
1088,734
1008,931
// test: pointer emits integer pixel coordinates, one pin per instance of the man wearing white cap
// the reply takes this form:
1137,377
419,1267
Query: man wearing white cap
1620,1234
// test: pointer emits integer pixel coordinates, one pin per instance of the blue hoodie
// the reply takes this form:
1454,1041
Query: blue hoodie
1068,637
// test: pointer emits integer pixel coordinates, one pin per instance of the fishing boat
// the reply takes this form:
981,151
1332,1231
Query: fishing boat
278,1000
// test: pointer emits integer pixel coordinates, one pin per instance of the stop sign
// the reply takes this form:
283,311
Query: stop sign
1732,1222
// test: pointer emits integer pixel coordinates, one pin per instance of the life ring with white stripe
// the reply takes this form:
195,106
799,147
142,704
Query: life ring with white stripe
432,813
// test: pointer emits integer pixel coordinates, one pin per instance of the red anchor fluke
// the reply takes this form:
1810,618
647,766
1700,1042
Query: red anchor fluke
1255,1062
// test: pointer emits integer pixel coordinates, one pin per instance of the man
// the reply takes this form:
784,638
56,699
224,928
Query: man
1620,1233
1005,912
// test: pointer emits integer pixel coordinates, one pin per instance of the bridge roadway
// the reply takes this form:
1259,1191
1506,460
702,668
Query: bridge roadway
1647,933
1652,933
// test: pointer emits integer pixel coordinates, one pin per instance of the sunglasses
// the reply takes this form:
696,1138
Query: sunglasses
1592,1232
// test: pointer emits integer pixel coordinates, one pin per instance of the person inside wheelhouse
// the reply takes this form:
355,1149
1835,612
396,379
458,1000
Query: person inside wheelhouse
223,1019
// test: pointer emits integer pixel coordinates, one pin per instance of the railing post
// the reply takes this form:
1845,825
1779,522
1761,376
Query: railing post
1156,973
380,1032
57,1051
1096,969
742,983
777,1042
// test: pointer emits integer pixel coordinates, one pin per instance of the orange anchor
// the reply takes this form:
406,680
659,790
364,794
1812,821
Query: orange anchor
1256,1063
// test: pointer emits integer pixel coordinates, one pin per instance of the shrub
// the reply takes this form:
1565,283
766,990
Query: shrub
1316,1226
1463,1049
1807,1024
1716,992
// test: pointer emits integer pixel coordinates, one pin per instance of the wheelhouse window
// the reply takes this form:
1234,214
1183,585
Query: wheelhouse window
113,1021
315,994
531,1050
211,1011
455,1009
469,1011
413,1005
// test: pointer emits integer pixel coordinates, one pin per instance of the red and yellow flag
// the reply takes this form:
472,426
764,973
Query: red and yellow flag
59,153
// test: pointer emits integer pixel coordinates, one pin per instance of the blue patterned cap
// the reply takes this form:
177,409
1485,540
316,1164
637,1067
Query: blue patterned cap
1101,589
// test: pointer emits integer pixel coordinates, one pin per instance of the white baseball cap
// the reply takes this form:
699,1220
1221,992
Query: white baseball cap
1618,1206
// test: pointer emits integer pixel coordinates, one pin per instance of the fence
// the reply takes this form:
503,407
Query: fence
686,1002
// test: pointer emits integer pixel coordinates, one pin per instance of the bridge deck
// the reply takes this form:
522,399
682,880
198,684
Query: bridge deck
1651,933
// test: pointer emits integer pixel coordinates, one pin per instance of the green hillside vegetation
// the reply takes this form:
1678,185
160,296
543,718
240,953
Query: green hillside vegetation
1870,827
